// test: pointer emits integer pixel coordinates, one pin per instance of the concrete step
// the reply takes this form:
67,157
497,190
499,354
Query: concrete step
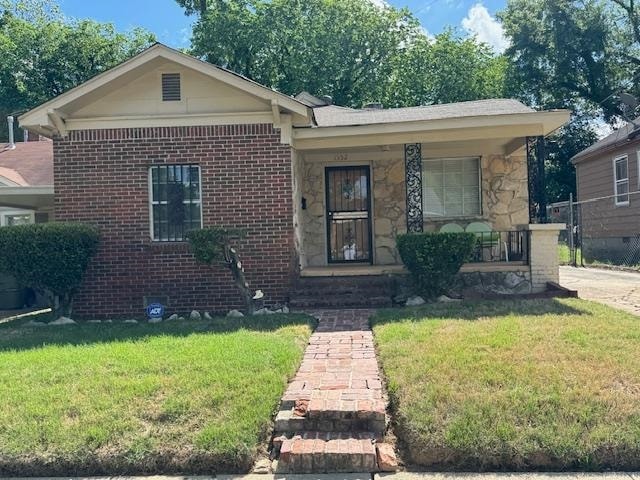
323,452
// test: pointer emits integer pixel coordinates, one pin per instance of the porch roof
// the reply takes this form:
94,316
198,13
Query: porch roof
507,120
336,116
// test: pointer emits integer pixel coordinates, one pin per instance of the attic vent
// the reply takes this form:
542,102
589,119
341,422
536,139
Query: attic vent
170,87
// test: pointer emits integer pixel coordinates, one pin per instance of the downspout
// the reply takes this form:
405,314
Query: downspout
12,144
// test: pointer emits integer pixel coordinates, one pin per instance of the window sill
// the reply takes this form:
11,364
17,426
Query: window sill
179,246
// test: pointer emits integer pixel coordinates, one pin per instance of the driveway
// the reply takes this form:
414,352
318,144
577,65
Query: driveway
614,288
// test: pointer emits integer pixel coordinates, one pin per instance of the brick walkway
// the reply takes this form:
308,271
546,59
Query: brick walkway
333,414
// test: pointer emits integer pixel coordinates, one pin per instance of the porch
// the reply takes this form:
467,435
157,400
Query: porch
352,204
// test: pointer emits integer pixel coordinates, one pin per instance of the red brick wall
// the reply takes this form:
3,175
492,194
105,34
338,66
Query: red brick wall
101,177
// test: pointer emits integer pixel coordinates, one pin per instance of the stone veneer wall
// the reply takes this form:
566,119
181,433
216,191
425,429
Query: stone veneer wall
314,236
389,208
504,202
505,191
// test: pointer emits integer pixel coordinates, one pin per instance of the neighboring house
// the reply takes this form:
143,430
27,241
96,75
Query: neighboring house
164,143
608,181
26,196
26,181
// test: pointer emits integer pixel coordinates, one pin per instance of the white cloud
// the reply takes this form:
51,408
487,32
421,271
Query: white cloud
486,28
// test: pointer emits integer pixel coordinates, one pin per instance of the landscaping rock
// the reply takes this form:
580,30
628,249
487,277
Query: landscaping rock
445,299
63,321
173,317
285,309
130,321
415,301
195,315
262,466
264,311
181,319
235,313
155,320
94,321
387,460
207,316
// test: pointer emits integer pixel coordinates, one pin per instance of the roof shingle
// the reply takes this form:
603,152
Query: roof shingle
30,162
335,116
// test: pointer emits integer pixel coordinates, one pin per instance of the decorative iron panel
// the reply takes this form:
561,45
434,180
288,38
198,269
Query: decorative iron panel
348,202
413,175
537,185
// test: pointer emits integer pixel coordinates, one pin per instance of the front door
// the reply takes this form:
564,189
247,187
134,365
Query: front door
348,191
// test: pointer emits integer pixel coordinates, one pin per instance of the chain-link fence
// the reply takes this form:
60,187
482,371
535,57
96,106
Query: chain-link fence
599,231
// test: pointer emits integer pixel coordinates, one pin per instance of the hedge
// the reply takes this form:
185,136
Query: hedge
433,259
49,257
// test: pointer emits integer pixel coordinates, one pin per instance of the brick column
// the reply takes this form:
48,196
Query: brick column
543,254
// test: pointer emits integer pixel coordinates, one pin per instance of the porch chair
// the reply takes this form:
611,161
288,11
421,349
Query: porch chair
487,239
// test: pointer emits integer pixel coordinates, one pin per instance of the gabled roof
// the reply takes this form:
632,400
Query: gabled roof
622,136
335,116
40,114
30,164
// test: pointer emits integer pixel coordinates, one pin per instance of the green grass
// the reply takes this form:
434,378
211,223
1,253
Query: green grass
194,397
538,384
564,255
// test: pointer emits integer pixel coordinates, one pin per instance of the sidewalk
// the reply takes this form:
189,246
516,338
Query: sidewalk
377,476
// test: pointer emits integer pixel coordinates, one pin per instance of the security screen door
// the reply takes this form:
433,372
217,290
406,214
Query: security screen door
348,214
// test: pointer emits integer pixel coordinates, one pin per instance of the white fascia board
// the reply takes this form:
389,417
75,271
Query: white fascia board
39,115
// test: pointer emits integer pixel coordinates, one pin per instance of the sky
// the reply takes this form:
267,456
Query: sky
167,20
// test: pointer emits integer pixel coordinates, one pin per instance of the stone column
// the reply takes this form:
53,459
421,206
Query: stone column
543,254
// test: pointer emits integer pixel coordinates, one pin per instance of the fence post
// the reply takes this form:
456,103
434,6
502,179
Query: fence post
572,251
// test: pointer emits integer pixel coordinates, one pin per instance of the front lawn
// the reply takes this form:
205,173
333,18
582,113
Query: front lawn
538,384
191,397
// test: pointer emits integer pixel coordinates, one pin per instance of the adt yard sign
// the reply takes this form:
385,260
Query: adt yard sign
155,310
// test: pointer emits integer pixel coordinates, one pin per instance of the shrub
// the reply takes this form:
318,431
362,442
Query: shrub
214,245
49,257
433,259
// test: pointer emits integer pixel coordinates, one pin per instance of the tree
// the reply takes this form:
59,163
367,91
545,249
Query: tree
342,48
570,54
446,69
564,144
44,54
575,54
214,245
353,50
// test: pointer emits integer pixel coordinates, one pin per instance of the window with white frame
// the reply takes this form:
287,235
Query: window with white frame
621,180
175,196
16,217
451,187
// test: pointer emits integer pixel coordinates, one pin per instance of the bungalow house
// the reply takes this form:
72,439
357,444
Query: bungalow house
164,143
26,181
26,196
607,180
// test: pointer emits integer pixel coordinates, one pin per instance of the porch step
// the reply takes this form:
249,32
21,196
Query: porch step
327,452
335,416
339,301
372,291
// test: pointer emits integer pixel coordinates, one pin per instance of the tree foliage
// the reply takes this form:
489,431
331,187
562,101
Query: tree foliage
351,50
44,54
571,54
